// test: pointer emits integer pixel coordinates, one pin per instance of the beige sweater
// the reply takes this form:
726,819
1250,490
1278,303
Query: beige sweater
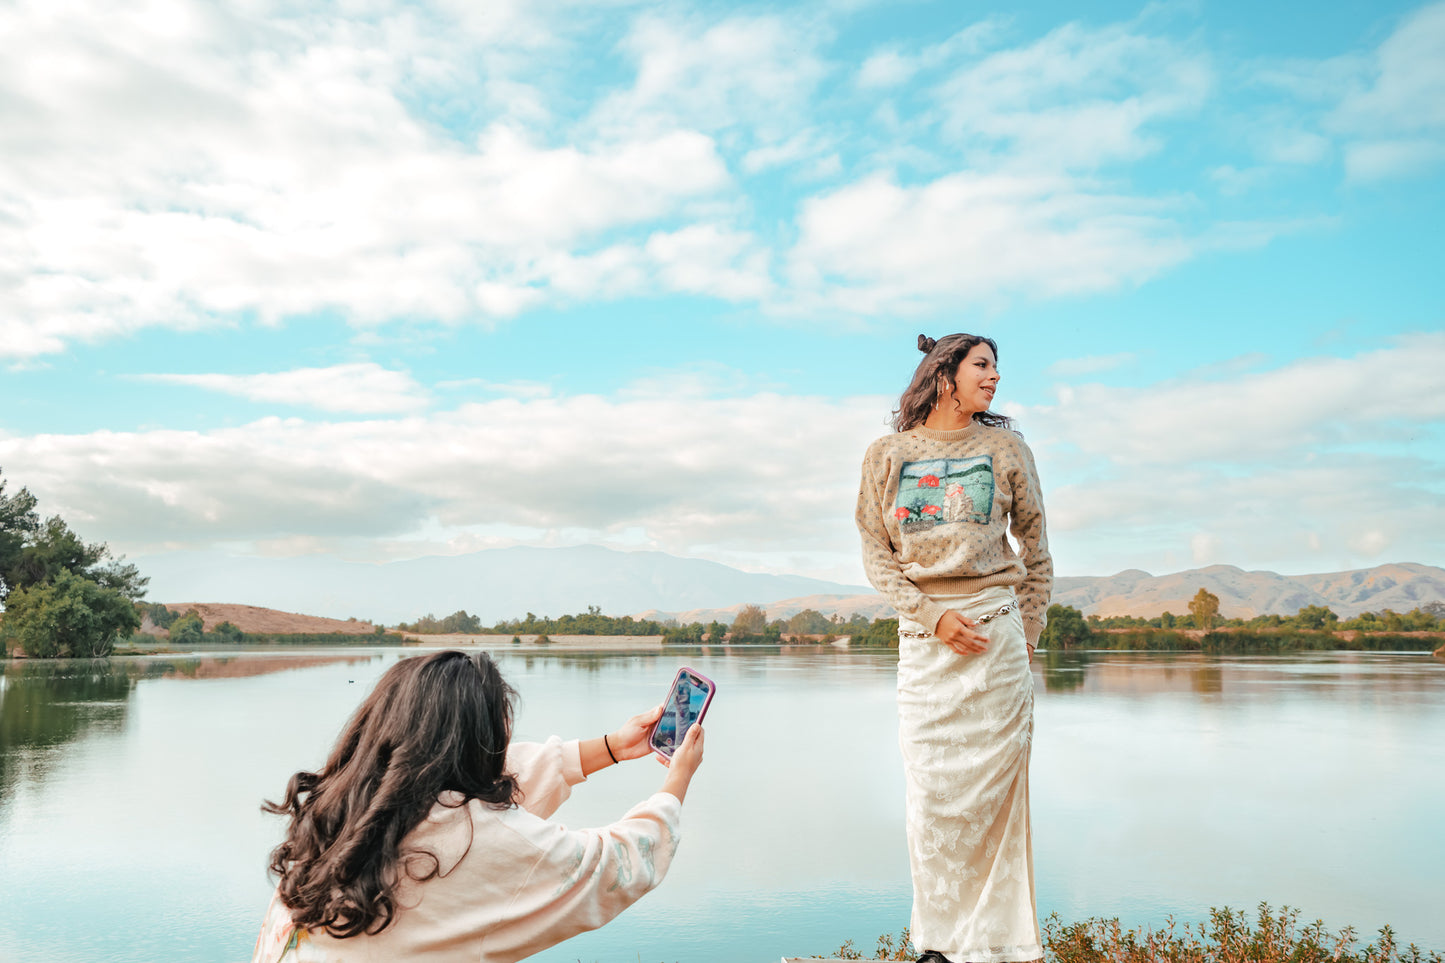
512,881
933,510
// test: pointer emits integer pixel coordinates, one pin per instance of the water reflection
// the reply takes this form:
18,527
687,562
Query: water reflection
1063,670
46,705
1330,675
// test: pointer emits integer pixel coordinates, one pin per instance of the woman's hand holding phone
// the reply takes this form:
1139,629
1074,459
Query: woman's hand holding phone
630,742
685,760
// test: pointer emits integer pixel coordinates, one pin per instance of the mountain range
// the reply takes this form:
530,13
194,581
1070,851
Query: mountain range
1242,594
504,583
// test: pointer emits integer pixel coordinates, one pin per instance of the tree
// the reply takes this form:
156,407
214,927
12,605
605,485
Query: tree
1318,617
1066,627
161,616
68,617
1204,609
18,523
52,548
750,620
809,622
228,633
188,629
690,634
880,632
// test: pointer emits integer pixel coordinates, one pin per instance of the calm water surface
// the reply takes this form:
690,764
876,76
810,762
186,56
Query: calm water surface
1162,784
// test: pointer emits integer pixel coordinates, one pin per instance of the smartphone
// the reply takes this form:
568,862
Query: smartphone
686,704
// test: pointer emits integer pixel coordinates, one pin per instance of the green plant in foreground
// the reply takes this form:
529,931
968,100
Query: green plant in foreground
1226,938
888,948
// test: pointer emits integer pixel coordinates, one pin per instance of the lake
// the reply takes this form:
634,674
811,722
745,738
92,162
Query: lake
1162,784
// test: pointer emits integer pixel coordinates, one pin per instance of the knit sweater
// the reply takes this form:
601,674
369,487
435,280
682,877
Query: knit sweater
511,882
934,508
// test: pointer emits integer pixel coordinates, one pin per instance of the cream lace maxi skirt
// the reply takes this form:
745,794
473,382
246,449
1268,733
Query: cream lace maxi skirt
965,725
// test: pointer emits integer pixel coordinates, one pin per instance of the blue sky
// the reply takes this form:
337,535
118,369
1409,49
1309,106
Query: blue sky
377,280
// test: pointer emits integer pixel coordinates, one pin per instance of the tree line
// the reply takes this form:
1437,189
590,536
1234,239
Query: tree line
1312,627
749,626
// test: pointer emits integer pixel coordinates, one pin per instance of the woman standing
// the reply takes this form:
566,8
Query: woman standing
426,835
937,500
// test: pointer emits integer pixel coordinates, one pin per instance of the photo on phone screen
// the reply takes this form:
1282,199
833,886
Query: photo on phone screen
687,701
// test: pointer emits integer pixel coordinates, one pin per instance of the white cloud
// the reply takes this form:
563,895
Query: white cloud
754,73
1317,465
1092,364
196,164
878,246
1323,463
1394,117
1378,159
887,68
806,145
679,469
1076,98
1246,416
705,258
363,388
892,67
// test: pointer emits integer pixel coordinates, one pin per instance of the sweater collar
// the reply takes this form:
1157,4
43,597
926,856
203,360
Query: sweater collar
958,434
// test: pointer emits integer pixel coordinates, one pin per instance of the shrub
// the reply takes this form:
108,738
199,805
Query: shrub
188,629
71,617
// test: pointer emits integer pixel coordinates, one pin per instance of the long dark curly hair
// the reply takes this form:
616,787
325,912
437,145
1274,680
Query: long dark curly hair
940,363
431,724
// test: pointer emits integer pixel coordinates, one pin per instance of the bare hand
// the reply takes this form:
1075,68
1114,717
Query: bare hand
630,741
960,634
689,754
685,761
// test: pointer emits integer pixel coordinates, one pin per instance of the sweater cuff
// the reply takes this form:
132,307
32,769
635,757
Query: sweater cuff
667,804
1032,631
572,772
930,613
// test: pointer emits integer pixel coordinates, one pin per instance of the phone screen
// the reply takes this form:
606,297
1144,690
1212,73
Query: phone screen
684,706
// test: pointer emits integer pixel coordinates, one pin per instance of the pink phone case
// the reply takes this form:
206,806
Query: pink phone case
665,750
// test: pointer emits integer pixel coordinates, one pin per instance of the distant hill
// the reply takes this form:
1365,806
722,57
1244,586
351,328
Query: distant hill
493,584
252,618
509,582
1400,586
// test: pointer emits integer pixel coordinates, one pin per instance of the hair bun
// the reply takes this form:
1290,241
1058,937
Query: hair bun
925,343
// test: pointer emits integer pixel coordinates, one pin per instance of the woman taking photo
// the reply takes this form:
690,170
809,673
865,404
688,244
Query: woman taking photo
938,497
425,836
